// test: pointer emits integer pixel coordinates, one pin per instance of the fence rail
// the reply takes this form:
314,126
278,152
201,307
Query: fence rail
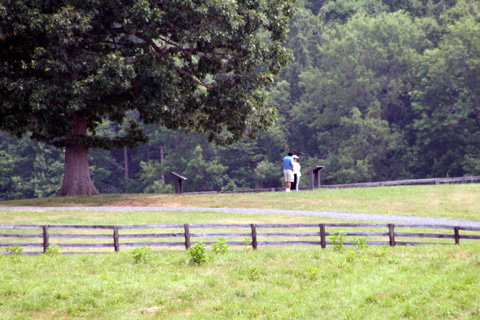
115,237
469,179
436,181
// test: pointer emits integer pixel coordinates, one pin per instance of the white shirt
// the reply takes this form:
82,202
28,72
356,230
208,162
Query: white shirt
296,168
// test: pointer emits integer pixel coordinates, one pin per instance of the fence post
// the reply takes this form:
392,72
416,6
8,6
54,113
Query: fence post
456,230
116,243
323,240
254,236
186,227
46,239
391,234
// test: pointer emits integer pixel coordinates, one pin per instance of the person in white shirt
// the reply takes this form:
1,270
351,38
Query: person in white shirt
296,173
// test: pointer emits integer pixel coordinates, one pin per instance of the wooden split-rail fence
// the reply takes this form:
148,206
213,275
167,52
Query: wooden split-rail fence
114,237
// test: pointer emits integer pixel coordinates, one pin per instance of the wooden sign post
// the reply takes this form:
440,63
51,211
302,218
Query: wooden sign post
178,181
314,175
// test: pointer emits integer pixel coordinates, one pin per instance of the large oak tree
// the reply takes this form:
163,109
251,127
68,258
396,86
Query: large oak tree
66,66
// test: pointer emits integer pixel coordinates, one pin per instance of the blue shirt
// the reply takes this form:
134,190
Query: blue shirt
287,163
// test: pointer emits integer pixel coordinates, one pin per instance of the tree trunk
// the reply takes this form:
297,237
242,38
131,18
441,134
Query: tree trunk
162,159
76,177
125,157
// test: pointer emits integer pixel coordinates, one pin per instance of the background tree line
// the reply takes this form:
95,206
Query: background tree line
376,90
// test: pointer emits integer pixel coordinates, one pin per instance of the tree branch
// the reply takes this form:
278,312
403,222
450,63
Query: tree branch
167,56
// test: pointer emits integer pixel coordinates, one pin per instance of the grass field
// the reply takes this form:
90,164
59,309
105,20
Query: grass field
426,282
454,201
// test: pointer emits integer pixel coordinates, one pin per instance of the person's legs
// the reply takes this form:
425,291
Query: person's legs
288,179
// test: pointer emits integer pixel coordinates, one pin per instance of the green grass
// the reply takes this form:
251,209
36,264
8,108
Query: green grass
146,217
430,282
426,282
454,201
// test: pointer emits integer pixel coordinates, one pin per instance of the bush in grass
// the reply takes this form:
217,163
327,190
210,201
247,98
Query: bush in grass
337,240
198,253
141,254
351,256
220,246
52,251
312,273
247,244
14,250
359,243
254,274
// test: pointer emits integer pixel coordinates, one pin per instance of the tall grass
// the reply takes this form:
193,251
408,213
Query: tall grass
430,282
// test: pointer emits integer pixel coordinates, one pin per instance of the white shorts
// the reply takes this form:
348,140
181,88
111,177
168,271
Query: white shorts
288,175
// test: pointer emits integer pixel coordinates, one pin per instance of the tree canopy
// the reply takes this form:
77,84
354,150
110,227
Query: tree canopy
376,90
68,65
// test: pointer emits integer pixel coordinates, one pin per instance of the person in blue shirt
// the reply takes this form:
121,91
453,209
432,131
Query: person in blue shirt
288,171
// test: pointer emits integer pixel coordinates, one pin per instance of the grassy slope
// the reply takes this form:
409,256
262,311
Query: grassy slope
458,201
431,282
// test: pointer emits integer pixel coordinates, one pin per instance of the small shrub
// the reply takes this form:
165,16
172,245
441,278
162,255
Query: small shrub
312,273
359,243
52,251
351,256
220,246
254,274
198,253
15,250
247,244
337,240
141,254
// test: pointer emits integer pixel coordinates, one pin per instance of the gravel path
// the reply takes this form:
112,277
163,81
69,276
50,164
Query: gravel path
340,215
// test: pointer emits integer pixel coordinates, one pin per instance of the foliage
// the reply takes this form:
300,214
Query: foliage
247,244
77,64
206,175
337,239
198,253
221,247
151,178
267,174
312,273
108,174
14,250
359,243
28,169
52,251
447,100
137,46
141,254
368,153
377,90
254,274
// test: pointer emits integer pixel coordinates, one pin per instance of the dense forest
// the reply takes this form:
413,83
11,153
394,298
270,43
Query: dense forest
375,90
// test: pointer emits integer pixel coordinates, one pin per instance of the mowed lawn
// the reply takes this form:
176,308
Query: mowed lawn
376,282
453,201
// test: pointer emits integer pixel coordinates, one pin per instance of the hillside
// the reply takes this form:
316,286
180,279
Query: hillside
456,201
